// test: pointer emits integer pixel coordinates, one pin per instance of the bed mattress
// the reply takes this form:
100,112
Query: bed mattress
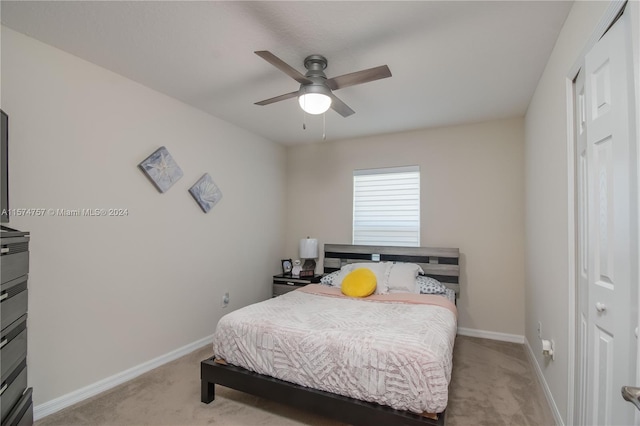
394,350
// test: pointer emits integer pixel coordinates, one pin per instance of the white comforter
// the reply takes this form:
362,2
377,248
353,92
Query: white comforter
394,350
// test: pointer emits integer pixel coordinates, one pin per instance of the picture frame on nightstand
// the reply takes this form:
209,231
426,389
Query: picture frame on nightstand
287,265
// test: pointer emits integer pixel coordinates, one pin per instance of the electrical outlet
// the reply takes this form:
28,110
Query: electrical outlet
540,329
225,300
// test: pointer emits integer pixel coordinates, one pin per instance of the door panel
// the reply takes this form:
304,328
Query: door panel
603,379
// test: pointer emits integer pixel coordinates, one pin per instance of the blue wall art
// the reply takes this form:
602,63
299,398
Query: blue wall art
206,192
161,169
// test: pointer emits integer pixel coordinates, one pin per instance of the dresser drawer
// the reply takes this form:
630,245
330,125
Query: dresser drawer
290,281
13,265
22,413
280,289
13,346
13,301
13,388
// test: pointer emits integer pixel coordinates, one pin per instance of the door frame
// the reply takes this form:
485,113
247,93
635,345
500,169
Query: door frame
608,18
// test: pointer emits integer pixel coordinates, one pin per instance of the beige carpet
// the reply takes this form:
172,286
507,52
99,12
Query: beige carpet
492,384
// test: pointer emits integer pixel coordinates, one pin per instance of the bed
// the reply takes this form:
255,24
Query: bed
296,348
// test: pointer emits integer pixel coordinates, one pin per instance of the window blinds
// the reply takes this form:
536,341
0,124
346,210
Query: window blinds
386,206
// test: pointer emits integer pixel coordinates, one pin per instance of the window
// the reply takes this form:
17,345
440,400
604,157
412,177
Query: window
386,206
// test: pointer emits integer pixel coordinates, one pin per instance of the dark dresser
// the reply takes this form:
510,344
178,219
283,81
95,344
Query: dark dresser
16,404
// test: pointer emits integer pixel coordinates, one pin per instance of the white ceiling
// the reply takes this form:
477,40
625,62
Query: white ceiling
452,62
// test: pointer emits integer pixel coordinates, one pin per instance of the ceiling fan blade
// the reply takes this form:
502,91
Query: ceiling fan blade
278,98
359,77
340,107
283,66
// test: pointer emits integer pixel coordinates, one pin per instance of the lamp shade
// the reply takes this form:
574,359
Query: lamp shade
308,248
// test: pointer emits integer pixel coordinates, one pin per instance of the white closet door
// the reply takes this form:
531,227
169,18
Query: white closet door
612,255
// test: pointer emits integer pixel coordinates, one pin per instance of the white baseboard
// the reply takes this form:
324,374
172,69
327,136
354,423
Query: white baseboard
543,382
471,332
64,401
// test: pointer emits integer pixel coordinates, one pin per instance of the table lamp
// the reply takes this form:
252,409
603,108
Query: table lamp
309,252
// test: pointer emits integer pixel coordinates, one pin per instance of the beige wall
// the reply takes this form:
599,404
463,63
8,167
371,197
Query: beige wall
110,293
471,198
547,224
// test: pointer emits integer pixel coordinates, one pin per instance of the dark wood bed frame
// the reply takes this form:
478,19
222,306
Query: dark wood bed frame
439,263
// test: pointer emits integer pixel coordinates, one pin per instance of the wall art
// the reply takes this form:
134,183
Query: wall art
161,169
206,193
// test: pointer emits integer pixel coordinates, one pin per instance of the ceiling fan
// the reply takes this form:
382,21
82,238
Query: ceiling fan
315,95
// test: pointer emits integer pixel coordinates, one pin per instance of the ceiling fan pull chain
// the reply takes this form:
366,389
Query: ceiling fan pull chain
304,115
324,126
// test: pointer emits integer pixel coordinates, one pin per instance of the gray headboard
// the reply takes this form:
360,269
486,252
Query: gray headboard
439,263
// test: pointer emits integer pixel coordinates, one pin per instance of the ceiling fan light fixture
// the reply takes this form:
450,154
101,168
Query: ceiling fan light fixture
314,103
315,94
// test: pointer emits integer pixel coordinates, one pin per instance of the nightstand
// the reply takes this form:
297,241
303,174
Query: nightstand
284,283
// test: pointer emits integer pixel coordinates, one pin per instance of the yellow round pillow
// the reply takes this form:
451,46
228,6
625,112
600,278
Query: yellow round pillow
360,282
